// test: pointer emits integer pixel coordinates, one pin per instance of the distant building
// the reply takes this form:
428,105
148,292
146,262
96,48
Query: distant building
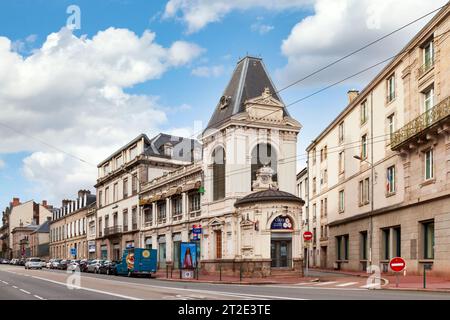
68,227
40,241
20,237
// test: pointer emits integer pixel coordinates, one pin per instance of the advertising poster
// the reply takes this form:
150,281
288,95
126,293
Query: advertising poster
188,257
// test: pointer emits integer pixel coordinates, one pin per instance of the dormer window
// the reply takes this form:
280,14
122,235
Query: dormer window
133,152
224,102
168,150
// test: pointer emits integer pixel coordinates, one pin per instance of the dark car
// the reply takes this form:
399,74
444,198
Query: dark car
83,264
63,265
22,262
108,267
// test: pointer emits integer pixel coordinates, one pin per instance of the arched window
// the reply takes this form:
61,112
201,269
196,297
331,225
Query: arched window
218,158
263,154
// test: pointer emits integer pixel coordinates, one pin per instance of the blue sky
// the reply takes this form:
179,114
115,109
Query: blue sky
292,37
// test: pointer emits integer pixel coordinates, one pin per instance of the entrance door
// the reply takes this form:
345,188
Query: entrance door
219,244
281,253
323,257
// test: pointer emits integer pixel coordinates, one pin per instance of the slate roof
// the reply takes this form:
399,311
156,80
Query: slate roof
43,228
248,81
182,147
268,195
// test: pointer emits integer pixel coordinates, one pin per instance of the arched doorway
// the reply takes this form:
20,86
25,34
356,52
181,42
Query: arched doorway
281,242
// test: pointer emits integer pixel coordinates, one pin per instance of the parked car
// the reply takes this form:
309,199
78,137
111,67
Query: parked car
5,261
43,263
108,267
13,261
63,264
84,264
33,263
94,266
55,263
73,265
48,265
22,262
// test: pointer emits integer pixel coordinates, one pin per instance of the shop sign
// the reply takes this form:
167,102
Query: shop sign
281,223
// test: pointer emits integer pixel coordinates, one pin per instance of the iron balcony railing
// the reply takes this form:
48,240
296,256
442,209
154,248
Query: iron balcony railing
426,66
113,230
422,122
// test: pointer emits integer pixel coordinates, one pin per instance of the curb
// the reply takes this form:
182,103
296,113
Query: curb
418,289
218,282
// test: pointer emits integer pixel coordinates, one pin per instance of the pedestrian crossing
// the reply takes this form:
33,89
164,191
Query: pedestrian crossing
339,284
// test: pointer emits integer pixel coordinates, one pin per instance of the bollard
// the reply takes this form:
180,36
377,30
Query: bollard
424,276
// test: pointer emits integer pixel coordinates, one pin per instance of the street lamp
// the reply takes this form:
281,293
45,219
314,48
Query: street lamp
371,206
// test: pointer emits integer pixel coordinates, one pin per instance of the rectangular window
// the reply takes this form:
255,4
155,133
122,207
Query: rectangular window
364,189
100,229
134,183
194,201
314,212
125,220
428,104
428,239
341,132
325,207
391,88
429,170
391,124
321,208
148,215
107,196
106,169
133,152
115,192
100,197
341,201
125,188
314,156
364,147
363,245
341,162
177,207
397,245
364,112
314,185
428,55
119,161
161,206
342,247
390,175
134,218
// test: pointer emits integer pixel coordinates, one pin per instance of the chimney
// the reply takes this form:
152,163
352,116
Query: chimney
15,202
352,94
81,193
44,203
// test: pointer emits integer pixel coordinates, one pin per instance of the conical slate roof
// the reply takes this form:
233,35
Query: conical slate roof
268,195
248,81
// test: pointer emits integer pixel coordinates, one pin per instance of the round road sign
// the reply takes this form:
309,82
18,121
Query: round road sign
307,236
397,264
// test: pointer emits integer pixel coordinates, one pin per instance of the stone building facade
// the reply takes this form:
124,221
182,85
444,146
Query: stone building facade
378,174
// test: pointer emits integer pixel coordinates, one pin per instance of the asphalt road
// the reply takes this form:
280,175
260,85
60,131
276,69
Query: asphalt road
18,283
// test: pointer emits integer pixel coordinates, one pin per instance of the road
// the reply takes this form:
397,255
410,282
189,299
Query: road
16,283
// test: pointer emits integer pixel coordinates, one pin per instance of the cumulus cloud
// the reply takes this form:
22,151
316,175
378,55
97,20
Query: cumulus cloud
338,27
71,93
208,71
198,13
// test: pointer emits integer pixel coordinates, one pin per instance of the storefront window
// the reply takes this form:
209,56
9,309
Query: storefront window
104,252
176,249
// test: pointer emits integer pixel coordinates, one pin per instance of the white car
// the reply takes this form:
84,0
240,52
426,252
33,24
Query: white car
43,264
33,263
74,265
48,265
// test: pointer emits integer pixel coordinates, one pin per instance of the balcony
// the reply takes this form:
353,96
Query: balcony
427,66
110,231
427,123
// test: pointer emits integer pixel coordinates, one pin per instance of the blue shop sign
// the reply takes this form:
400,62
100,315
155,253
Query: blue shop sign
281,223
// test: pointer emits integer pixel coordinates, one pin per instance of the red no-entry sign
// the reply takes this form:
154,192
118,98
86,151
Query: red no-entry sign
307,236
397,264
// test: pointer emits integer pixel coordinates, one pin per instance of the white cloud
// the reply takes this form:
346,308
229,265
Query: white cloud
2,164
338,27
70,93
198,13
208,72
261,28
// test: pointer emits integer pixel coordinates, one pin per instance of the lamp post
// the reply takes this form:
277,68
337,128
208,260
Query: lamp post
372,169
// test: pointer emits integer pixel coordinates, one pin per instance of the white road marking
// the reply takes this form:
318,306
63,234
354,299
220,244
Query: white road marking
36,296
316,288
92,290
14,287
346,284
324,283
25,291
5,282
370,285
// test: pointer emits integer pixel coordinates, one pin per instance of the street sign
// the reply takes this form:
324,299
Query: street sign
73,251
307,236
397,264
197,229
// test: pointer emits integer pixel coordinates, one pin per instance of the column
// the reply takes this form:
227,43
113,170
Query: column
168,210
154,213
184,205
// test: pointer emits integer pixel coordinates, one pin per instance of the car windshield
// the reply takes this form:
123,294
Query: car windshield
35,260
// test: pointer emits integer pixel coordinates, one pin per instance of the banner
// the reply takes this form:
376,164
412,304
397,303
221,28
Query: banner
188,258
